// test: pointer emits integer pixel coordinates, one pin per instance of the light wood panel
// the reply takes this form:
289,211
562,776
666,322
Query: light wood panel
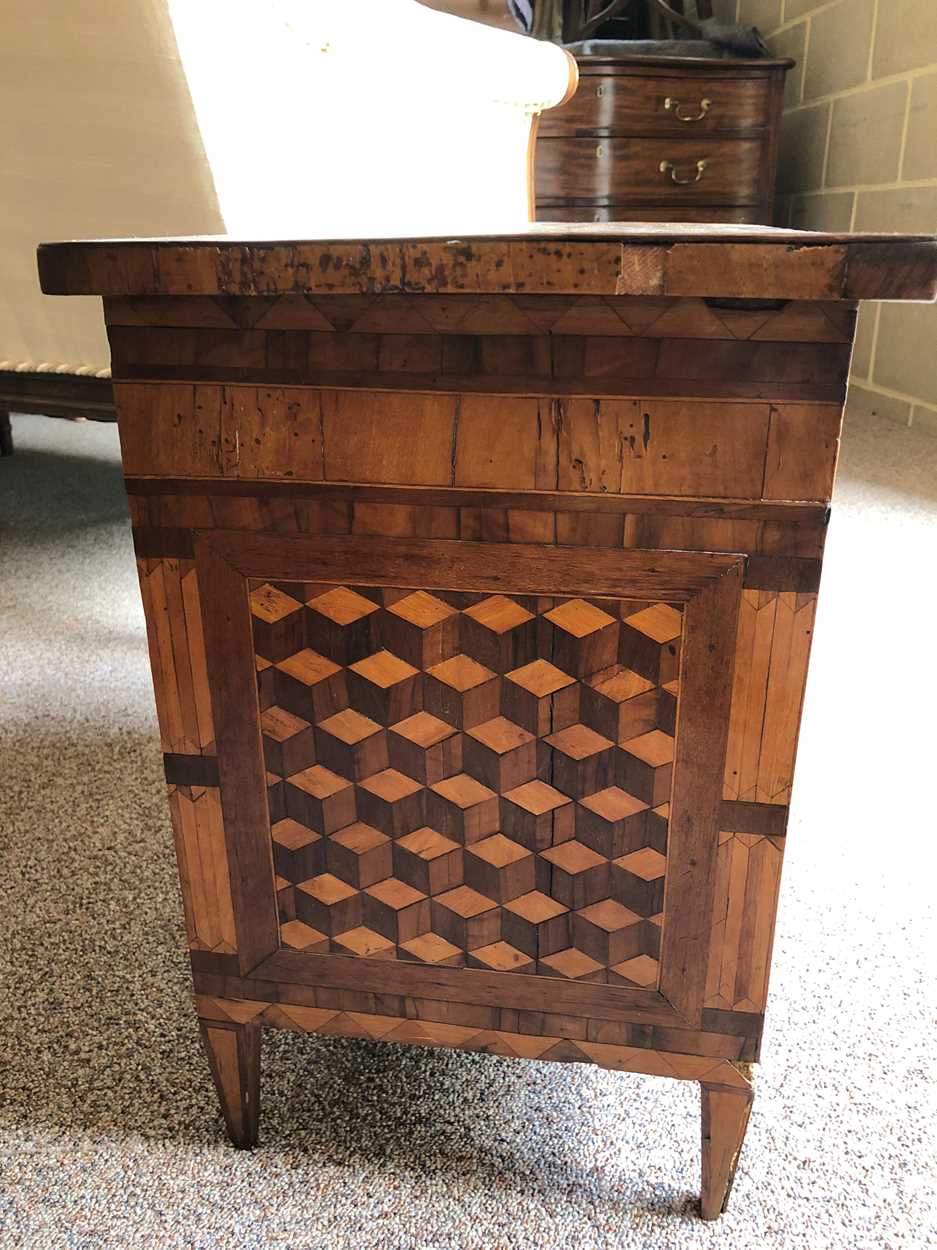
775,632
203,872
177,654
748,874
645,446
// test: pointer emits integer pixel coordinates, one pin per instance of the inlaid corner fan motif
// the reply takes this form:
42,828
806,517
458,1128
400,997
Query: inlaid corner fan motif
469,780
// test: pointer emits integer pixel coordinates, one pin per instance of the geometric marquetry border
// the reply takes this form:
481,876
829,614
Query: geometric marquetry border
707,585
332,1022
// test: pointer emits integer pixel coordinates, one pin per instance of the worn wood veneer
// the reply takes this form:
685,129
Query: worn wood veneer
479,579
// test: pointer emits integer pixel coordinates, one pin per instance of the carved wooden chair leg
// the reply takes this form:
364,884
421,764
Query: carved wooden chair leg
234,1056
6,434
725,1119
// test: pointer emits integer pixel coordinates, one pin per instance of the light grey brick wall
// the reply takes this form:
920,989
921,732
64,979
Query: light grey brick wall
859,152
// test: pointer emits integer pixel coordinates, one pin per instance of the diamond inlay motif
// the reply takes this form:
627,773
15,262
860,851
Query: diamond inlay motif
469,780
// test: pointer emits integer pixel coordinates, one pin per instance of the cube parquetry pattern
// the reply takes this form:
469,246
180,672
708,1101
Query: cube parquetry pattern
469,780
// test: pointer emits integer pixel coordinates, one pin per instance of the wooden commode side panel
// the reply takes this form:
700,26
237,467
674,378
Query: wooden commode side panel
714,460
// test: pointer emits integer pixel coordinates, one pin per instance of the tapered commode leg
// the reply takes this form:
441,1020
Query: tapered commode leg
234,1056
725,1119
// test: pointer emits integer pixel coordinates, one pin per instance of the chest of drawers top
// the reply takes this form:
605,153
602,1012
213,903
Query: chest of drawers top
651,137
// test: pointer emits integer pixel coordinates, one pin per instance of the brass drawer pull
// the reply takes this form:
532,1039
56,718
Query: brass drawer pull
600,151
673,106
668,167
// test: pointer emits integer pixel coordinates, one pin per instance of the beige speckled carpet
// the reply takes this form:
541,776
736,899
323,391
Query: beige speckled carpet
109,1130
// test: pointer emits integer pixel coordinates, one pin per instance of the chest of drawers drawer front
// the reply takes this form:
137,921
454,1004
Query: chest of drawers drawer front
662,170
745,215
661,105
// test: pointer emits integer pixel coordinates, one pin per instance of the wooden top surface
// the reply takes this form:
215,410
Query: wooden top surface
548,258
720,64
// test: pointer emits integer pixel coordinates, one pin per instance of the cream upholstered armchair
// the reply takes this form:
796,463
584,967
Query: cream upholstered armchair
274,119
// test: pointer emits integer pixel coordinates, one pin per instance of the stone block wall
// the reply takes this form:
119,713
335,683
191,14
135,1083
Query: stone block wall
859,153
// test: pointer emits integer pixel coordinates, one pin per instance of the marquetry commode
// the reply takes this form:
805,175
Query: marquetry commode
479,579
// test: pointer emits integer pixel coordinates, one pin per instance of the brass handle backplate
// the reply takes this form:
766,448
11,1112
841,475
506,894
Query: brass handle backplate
668,167
674,107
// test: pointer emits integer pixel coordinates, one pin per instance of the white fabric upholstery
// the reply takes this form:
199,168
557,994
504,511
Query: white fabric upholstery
263,117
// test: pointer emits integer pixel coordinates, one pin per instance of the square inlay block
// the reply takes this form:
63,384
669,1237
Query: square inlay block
499,633
501,754
651,935
536,924
540,697
583,638
583,760
658,822
288,740
641,971
667,713
396,910
286,898
420,628
462,808
430,948
301,937
359,854
385,688
298,852
645,766
425,748
462,692
339,624
499,868
612,821
607,931
572,963
277,623
328,904
311,686
537,815
638,880
650,643
580,876
266,682
392,802
276,797
501,957
621,704
320,799
428,861
352,745
466,918
365,943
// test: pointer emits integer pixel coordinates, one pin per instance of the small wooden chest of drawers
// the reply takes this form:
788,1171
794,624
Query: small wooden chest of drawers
663,139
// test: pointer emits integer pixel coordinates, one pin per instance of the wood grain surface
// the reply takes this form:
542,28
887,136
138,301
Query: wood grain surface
546,259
